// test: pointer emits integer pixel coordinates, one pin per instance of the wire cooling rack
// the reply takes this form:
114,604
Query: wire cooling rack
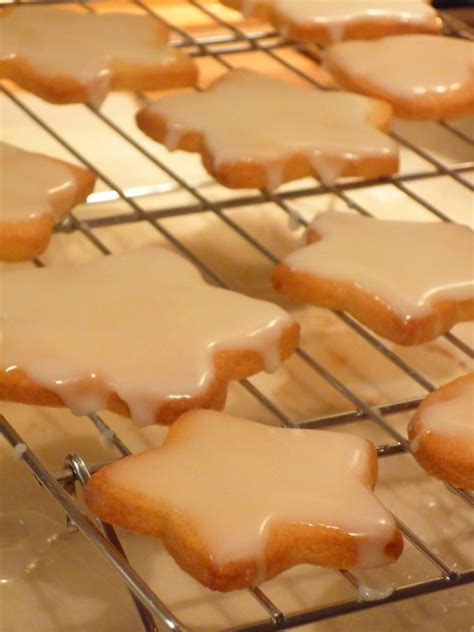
224,43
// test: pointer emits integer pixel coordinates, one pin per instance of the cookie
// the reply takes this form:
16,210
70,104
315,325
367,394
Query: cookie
256,131
35,192
328,21
69,57
438,85
140,334
407,281
441,433
237,502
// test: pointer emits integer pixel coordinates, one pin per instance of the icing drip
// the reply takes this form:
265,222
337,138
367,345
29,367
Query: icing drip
274,176
436,265
366,593
236,480
173,136
247,117
22,197
106,438
142,324
443,64
453,418
293,219
48,39
18,451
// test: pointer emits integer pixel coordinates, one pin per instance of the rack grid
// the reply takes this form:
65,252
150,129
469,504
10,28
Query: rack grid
234,39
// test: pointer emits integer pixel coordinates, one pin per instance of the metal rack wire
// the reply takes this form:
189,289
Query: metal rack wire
233,39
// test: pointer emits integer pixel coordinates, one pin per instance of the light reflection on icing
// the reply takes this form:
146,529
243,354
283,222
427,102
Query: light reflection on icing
407,265
23,195
83,46
251,117
443,64
142,324
236,479
451,418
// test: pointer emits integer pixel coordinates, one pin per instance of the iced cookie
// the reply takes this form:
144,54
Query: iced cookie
422,76
407,281
328,21
237,503
69,57
255,131
35,192
140,334
441,433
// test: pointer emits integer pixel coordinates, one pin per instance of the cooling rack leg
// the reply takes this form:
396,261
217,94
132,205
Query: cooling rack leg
133,581
78,466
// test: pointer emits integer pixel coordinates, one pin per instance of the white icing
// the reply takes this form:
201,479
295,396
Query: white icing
333,12
407,265
236,480
143,324
443,64
249,117
32,184
336,15
83,46
453,418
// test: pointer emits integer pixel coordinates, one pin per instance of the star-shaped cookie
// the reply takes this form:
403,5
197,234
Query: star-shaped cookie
236,502
441,433
439,86
140,334
256,131
408,281
328,21
69,57
35,192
